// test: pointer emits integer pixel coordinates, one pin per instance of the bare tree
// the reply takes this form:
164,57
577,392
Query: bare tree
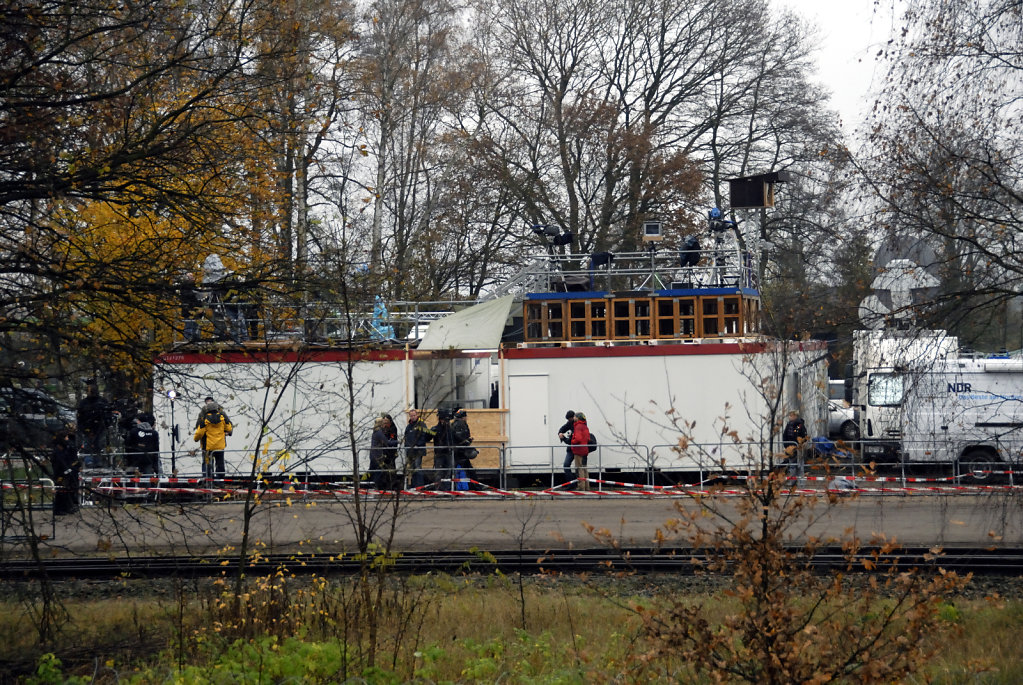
309,52
404,63
942,161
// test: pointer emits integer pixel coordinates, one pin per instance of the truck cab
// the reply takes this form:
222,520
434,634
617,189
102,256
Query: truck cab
881,379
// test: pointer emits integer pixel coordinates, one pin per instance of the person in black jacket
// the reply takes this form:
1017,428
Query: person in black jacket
793,438
565,436
191,308
794,434
464,452
94,416
64,469
416,435
443,454
142,444
383,446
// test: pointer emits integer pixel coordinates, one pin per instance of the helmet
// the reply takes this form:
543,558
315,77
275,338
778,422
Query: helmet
715,213
581,416
460,414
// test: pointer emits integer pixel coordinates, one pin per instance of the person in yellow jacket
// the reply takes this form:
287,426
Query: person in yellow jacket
212,431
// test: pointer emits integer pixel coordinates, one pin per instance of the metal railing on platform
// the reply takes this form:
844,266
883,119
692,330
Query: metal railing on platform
657,469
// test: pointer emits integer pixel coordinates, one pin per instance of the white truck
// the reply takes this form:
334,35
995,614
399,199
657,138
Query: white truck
917,400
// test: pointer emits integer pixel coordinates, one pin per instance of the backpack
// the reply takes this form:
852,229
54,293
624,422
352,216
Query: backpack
460,434
147,438
592,444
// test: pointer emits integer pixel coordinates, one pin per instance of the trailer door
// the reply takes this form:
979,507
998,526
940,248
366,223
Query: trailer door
529,426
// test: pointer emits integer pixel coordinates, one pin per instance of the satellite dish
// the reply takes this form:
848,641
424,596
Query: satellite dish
872,312
904,246
905,281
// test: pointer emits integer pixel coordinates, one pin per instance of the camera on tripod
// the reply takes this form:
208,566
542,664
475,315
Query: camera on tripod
552,235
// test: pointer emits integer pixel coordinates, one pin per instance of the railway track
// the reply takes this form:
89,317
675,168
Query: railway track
980,561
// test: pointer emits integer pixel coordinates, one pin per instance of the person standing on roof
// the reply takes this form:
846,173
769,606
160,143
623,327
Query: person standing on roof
581,448
191,309
212,434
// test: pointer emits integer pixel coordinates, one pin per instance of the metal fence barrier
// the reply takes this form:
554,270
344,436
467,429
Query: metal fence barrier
543,466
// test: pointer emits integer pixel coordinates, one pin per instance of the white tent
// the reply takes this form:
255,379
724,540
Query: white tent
476,328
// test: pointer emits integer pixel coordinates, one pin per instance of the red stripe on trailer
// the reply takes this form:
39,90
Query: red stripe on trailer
624,349
311,355
289,356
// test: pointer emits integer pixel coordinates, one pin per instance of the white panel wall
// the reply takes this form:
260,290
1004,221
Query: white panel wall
296,415
639,406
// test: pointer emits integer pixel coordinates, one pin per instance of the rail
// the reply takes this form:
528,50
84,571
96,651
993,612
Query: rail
612,469
643,560
238,318
723,266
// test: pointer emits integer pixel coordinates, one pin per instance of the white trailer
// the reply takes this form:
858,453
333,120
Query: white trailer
642,400
290,408
918,401
967,410
667,359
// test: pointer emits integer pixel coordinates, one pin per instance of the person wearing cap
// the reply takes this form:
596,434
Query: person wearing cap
208,404
212,434
581,448
565,436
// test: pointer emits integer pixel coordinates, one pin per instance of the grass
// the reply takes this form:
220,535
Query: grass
988,649
456,629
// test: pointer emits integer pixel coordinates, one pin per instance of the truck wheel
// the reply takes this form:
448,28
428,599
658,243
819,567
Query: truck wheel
849,431
977,462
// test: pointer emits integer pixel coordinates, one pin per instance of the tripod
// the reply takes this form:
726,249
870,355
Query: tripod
653,280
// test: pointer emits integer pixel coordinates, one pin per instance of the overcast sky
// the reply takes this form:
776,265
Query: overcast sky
851,34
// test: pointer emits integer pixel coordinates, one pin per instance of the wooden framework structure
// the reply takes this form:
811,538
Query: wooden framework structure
641,316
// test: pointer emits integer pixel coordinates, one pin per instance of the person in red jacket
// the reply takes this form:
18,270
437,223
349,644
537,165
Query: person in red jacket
581,448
